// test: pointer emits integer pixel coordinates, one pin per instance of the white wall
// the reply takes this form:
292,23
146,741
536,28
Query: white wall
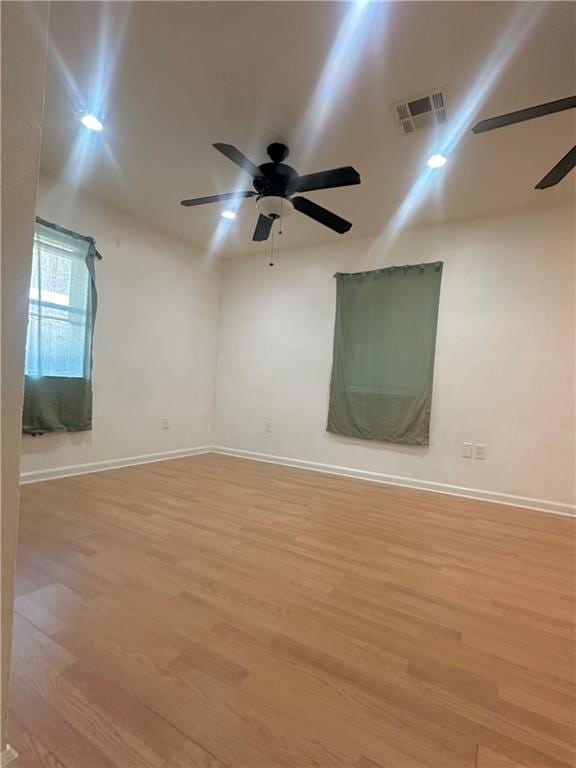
505,357
504,372
154,340
24,45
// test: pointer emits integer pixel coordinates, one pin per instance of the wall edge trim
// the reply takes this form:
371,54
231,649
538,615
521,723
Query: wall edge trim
8,756
39,475
494,497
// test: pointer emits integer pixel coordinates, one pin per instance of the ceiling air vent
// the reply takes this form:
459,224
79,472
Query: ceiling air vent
422,112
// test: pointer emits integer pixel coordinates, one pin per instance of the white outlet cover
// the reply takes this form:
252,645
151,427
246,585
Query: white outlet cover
467,450
479,451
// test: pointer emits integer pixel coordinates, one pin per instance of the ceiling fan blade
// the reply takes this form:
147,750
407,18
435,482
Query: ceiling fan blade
216,198
337,177
321,215
561,169
263,228
237,157
525,114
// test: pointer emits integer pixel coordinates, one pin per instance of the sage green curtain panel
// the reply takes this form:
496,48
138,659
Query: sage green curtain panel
383,364
62,311
56,404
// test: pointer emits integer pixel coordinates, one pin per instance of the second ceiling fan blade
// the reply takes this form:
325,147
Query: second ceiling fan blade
216,198
561,169
540,110
337,177
237,157
321,215
263,228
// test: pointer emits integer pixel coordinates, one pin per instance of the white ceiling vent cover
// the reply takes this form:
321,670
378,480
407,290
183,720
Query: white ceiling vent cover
422,112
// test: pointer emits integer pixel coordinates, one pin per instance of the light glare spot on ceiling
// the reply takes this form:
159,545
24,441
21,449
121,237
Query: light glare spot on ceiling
519,28
436,161
228,215
91,122
340,67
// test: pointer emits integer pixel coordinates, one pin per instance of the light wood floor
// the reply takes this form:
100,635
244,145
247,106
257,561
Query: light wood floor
211,612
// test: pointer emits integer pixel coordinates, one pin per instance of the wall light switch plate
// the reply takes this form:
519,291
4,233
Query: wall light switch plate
479,451
268,425
165,422
466,450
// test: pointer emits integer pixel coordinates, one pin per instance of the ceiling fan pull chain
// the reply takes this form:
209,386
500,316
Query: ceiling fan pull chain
274,185
271,264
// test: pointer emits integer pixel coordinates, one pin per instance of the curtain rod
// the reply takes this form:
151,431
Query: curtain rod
70,232
404,268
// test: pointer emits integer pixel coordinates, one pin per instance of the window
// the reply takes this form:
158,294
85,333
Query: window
384,342
58,367
58,342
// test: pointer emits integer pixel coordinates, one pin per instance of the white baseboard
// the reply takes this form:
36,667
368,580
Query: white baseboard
539,505
8,756
38,475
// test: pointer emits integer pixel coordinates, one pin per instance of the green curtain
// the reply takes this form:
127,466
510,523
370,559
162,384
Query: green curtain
383,363
62,311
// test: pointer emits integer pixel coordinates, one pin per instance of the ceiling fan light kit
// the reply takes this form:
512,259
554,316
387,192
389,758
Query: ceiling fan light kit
274,207
276,184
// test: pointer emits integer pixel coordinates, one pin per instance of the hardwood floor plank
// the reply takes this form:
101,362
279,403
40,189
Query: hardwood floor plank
479,723
193,756
373,724
156,733
214,612
46,723
31,751
487,758
79,711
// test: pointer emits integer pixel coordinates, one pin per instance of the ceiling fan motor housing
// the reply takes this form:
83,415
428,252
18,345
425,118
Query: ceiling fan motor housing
277,188
274,207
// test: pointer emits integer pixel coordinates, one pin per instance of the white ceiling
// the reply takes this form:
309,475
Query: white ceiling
175,77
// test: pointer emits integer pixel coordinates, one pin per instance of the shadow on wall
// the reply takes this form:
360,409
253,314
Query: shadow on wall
51,442
417,451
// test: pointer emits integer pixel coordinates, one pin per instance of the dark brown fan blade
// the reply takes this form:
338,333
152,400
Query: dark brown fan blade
321,215
263,227
216,198
525,114
561,169
337,177
237,157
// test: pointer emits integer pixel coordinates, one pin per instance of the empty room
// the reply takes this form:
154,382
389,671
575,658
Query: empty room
288,384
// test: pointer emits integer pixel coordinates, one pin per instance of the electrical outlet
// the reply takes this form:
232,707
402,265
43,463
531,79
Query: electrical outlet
268,425
165,422
466,450
479,451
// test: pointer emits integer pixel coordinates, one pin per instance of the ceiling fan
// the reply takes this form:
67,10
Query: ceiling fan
563,166
275,183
